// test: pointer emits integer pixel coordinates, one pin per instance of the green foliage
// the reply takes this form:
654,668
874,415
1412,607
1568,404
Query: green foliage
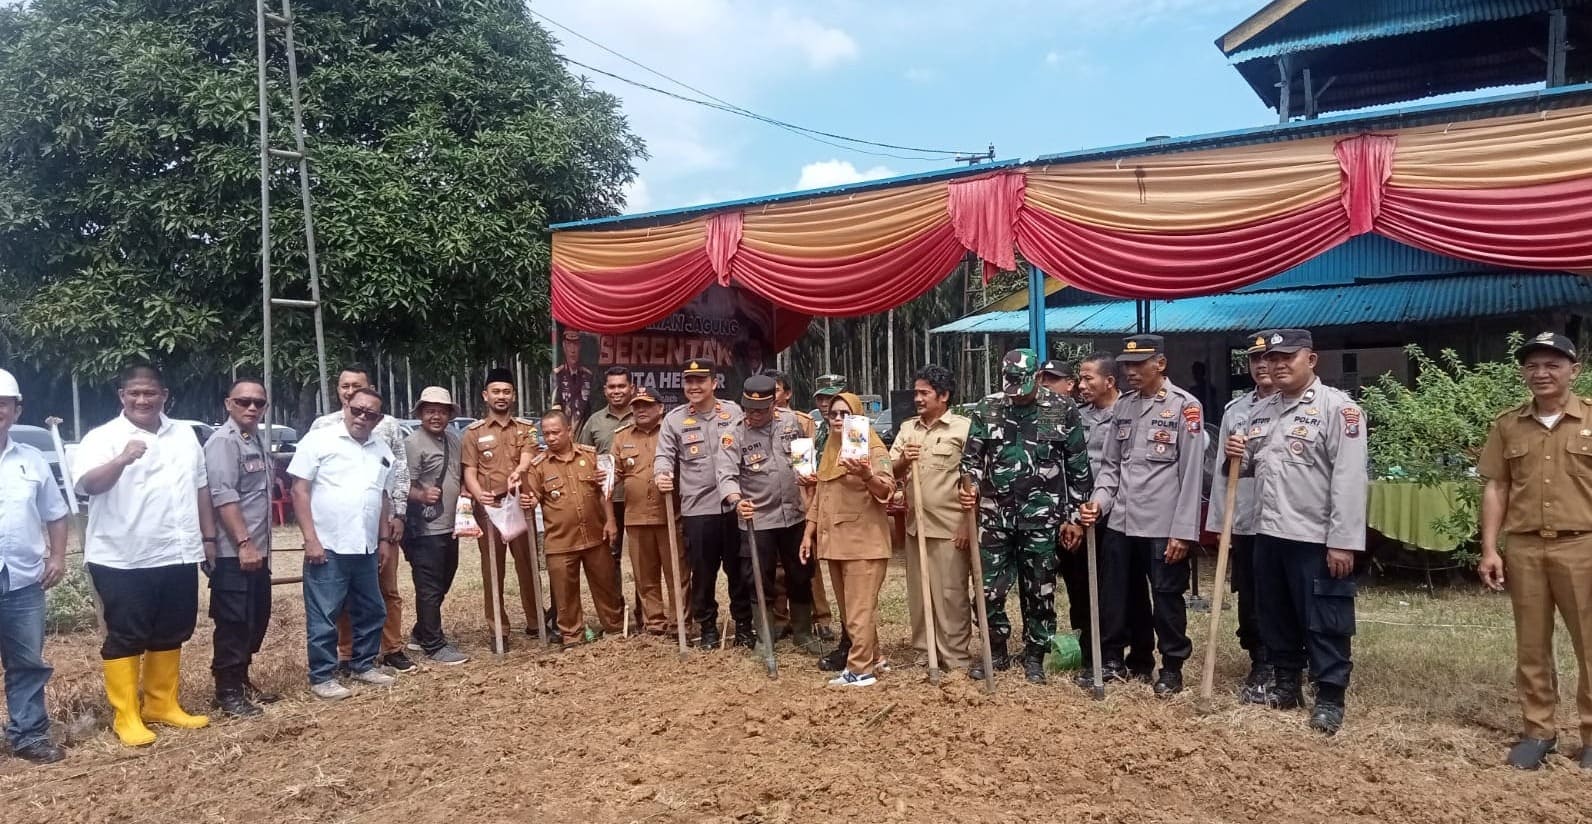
1433,433
445,137
69,605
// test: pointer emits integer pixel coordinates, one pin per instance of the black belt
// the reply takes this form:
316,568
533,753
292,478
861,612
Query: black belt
1556,534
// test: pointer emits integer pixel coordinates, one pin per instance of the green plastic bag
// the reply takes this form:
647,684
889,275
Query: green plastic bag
1065,653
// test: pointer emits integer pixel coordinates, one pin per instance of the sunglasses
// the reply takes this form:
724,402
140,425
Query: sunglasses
364,413
839,414
249,403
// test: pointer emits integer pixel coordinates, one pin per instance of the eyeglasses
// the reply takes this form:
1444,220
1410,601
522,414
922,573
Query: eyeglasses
838,414
364,413
250,403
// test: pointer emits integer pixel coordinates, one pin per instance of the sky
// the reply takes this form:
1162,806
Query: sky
1030,77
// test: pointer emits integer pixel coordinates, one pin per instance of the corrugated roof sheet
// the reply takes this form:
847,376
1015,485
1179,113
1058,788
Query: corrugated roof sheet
1401,301
1327,23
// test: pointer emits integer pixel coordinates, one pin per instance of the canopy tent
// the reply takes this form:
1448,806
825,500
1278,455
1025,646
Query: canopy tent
1156,222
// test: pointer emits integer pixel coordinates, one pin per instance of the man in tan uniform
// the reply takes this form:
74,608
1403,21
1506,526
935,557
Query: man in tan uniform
1538,466
493,451
931,445
579,530
646,528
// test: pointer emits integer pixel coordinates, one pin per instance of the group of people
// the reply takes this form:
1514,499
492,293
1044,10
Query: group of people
1110,452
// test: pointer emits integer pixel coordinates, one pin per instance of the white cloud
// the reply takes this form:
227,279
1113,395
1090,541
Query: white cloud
827,173
637,198
824,46
1073,61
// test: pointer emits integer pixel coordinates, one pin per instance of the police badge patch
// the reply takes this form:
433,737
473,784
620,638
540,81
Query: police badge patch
1191,419
1351,422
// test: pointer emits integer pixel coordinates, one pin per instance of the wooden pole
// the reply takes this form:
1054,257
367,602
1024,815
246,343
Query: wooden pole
1099,688
489,532
536,581
1208,678
978,601
923,580
674,563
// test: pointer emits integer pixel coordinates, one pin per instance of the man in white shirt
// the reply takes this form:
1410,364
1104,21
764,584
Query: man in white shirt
30,506
351,379
150,524
341,476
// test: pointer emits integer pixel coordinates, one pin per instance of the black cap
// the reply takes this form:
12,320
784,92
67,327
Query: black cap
1552,341
1140,348
698,366
1256,344
1060,369
643,395
1289,341
757,392
500,374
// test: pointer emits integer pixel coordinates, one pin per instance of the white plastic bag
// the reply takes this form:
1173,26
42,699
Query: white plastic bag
854,437
606,464
464,525
804,457
509,519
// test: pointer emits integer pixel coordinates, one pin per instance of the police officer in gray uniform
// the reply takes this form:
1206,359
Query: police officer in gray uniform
757,479
1149,486
1235,419
688,441
1306,448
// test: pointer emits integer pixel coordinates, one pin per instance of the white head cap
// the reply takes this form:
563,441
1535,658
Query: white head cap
8,386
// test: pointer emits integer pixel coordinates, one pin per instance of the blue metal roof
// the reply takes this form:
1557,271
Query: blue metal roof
1402,117
1323,24
1394,301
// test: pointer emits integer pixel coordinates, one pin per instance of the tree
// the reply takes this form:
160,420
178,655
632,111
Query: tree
445,136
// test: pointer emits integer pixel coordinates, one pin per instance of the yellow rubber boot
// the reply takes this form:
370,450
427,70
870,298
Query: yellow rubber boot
121,688
160,692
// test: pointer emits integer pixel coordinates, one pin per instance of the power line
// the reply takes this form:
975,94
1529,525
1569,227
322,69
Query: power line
796,130
726,106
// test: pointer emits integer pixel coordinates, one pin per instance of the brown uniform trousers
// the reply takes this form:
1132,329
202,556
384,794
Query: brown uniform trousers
645,532
572,511
1547,551
491,449
854,538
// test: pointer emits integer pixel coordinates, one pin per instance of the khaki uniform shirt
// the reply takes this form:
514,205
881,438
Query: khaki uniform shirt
491,450
755,463
633,451
239,473
687,444
571,499
598,433
852,524
1150,471
1308,456
939,470
1548,471
1235,420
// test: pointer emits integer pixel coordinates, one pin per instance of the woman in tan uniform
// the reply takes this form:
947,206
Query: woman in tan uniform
847,526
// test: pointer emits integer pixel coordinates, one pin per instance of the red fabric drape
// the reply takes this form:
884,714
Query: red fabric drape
723,239
1548,226
624,300
1143,265
1367,163
856,285
984,214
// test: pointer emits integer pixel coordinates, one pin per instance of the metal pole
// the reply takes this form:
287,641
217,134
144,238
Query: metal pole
265,228
77,411
827,369
409,382
304,191
1036,312
889,348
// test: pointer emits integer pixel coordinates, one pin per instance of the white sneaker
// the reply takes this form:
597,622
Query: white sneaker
330,690
847,678
375,677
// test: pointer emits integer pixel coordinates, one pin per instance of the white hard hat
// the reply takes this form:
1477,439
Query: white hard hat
8,386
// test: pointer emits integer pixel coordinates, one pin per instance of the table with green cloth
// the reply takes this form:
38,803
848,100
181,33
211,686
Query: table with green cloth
1404,511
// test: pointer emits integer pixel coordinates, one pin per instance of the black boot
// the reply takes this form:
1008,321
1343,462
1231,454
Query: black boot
710,636
836,660
231,699
1170,683
998,657
745,635
1254,689
257,695
1034,666
1326,717
1284,691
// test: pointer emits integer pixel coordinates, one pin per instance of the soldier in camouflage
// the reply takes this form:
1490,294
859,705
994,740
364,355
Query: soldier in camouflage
1027,457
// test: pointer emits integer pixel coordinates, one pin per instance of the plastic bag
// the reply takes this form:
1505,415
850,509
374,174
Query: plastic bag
464,525
606,464
854,437
509,519
804,457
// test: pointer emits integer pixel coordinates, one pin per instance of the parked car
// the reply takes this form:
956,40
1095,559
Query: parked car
458,424
408,425
884,425
283,438
201,430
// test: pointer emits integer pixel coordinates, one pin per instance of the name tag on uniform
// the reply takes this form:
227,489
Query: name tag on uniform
253,465
485,440
692,436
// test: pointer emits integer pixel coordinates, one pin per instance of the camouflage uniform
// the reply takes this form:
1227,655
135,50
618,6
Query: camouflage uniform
1031,465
